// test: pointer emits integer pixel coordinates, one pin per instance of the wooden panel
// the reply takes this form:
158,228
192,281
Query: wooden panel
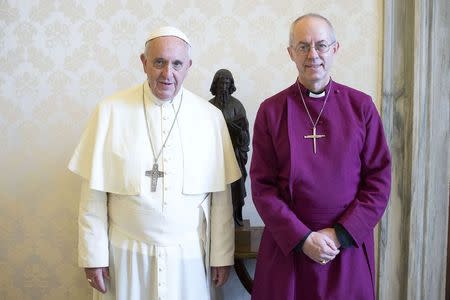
415,112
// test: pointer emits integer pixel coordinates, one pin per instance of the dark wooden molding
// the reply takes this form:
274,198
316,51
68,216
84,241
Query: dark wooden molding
247,240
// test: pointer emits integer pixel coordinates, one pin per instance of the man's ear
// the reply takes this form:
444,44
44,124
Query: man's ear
290,51
142,57
336,47
143,60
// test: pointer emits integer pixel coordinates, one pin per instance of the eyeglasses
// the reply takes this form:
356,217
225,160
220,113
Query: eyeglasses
320,47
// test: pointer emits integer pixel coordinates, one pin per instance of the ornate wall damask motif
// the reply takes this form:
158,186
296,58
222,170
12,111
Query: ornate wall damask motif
59,58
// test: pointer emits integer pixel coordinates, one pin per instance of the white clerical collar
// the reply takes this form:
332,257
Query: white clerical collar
316,95
155,100
312,94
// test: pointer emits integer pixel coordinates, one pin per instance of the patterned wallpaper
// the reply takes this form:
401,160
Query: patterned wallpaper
59,58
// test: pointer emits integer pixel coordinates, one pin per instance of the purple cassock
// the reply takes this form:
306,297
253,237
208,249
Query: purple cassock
347,181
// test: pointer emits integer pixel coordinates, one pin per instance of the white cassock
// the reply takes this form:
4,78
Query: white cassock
158,245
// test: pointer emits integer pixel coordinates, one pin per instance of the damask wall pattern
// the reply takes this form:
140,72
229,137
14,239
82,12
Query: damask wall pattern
59,58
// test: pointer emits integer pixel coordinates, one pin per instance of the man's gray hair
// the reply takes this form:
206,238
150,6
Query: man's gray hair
148,43
310,15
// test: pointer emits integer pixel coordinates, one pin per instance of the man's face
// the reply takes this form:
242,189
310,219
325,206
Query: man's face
223,85
166,64
313,67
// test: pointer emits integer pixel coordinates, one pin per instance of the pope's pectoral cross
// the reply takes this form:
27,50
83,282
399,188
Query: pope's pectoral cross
314,136
154,174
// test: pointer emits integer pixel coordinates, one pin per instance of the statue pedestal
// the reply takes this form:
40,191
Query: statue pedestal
247,239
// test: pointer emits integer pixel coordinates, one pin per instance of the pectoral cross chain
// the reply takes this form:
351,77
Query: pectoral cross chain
314,136
154,174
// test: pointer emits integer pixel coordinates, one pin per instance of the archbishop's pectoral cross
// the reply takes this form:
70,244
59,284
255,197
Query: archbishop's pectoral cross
154,174
314,136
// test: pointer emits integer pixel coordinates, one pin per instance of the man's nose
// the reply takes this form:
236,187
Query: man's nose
166,71
313,52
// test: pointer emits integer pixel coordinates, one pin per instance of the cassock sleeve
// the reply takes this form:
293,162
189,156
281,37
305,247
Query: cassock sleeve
284,226
360,218
222,229
92,228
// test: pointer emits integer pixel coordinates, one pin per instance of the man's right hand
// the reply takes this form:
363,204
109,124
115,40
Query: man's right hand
96,277
320,248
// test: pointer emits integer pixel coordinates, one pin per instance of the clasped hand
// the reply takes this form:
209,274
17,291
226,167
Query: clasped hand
322,246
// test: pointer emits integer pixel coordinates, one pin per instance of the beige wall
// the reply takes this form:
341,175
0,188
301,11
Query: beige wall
58,59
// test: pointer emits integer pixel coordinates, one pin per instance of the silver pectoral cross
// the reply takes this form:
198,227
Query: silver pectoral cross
314,136
154,174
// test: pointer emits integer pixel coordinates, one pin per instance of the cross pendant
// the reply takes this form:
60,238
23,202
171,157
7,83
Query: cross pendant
154,174
314,136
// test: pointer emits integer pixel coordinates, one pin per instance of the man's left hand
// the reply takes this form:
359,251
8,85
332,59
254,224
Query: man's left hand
331,233
219,275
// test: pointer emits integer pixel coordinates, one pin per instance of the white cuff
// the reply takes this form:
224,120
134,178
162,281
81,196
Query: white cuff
93,228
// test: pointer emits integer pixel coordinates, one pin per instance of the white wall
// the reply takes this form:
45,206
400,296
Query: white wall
59,58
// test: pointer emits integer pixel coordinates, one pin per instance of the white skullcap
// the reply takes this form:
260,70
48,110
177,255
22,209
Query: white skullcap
168,31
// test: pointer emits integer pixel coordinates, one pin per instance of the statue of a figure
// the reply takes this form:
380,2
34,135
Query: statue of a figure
233,111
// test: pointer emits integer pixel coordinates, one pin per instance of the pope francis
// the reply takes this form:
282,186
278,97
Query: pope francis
156,162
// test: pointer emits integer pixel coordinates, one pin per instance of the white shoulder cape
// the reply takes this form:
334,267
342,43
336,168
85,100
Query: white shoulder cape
111,145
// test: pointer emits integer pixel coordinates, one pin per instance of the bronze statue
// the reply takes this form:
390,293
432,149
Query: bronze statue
233,111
